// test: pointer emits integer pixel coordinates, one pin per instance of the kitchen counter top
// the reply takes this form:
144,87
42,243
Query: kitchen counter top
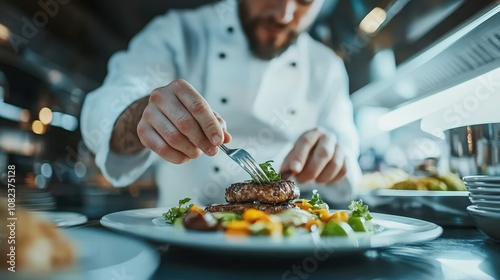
460,253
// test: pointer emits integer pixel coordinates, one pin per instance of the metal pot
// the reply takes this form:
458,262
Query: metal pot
475,149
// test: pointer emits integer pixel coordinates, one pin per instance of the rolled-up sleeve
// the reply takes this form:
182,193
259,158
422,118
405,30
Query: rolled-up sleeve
148,63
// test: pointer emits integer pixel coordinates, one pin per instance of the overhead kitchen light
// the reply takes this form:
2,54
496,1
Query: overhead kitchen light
462,101
45,115
373,20
38,127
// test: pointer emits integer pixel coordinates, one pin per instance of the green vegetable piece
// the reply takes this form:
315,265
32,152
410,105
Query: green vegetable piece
333,228
358,209
357,224
176,213
270,172
227,216
317,202
288,231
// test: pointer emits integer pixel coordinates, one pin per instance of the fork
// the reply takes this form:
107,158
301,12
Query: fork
245,160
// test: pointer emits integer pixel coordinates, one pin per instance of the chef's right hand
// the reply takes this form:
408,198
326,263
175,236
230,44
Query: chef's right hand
178,124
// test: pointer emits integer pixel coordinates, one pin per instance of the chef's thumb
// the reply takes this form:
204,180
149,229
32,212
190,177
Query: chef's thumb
290,167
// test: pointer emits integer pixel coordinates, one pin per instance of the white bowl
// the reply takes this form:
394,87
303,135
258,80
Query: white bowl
486,221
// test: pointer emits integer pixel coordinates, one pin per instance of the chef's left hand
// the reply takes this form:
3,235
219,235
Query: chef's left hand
317,157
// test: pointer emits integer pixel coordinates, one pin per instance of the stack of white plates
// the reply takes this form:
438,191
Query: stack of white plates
484,193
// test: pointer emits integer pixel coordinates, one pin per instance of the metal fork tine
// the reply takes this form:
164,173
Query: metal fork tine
249,171
258,169
248,162
253,175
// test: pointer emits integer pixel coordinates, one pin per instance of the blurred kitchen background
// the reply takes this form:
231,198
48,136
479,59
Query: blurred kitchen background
397,52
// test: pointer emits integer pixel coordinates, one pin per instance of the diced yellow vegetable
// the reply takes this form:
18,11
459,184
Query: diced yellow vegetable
340,216
237,232
237,227
253,215
304,205
324,215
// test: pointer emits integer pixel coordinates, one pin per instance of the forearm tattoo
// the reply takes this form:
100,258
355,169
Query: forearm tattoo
124,139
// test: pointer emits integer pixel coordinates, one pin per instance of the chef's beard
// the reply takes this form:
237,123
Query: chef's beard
264,50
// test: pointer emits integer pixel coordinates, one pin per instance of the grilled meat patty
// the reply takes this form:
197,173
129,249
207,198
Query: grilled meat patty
241,207
273,192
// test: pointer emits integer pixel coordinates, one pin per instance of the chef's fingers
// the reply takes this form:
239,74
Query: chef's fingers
151,139
332,169
341,174
227,136
174,110
318,158
200,110
296,159
169,132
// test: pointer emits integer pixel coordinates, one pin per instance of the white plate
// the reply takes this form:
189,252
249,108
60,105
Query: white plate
489,197
482,184
485,203
103,255
63,219
395,230
482,178
486,221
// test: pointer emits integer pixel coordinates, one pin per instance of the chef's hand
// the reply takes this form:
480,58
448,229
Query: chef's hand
178,124
315,157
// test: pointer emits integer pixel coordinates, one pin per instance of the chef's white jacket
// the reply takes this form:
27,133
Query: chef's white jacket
267,104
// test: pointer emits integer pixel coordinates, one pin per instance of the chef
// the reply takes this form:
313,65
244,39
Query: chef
243,73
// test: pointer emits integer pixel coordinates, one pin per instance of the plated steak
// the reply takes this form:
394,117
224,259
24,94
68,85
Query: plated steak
273,192
241,207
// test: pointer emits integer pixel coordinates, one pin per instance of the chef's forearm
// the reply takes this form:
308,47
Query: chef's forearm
124,139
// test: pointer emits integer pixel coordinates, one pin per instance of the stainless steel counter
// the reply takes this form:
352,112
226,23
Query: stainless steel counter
460,253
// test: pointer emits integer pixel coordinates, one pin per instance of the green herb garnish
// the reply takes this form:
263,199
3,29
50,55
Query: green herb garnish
358,209
175,213
317,202
270,172
224,217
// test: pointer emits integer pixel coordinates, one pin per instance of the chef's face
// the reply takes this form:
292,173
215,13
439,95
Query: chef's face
271,26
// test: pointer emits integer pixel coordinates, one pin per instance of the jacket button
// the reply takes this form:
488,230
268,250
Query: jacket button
223,100
230,29
291,112
293,64
222,55
216,169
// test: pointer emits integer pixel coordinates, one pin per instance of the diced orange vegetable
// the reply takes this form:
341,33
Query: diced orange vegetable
312,223
237,231
324,215
253,215
304,205
198,209
340,216
237,227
